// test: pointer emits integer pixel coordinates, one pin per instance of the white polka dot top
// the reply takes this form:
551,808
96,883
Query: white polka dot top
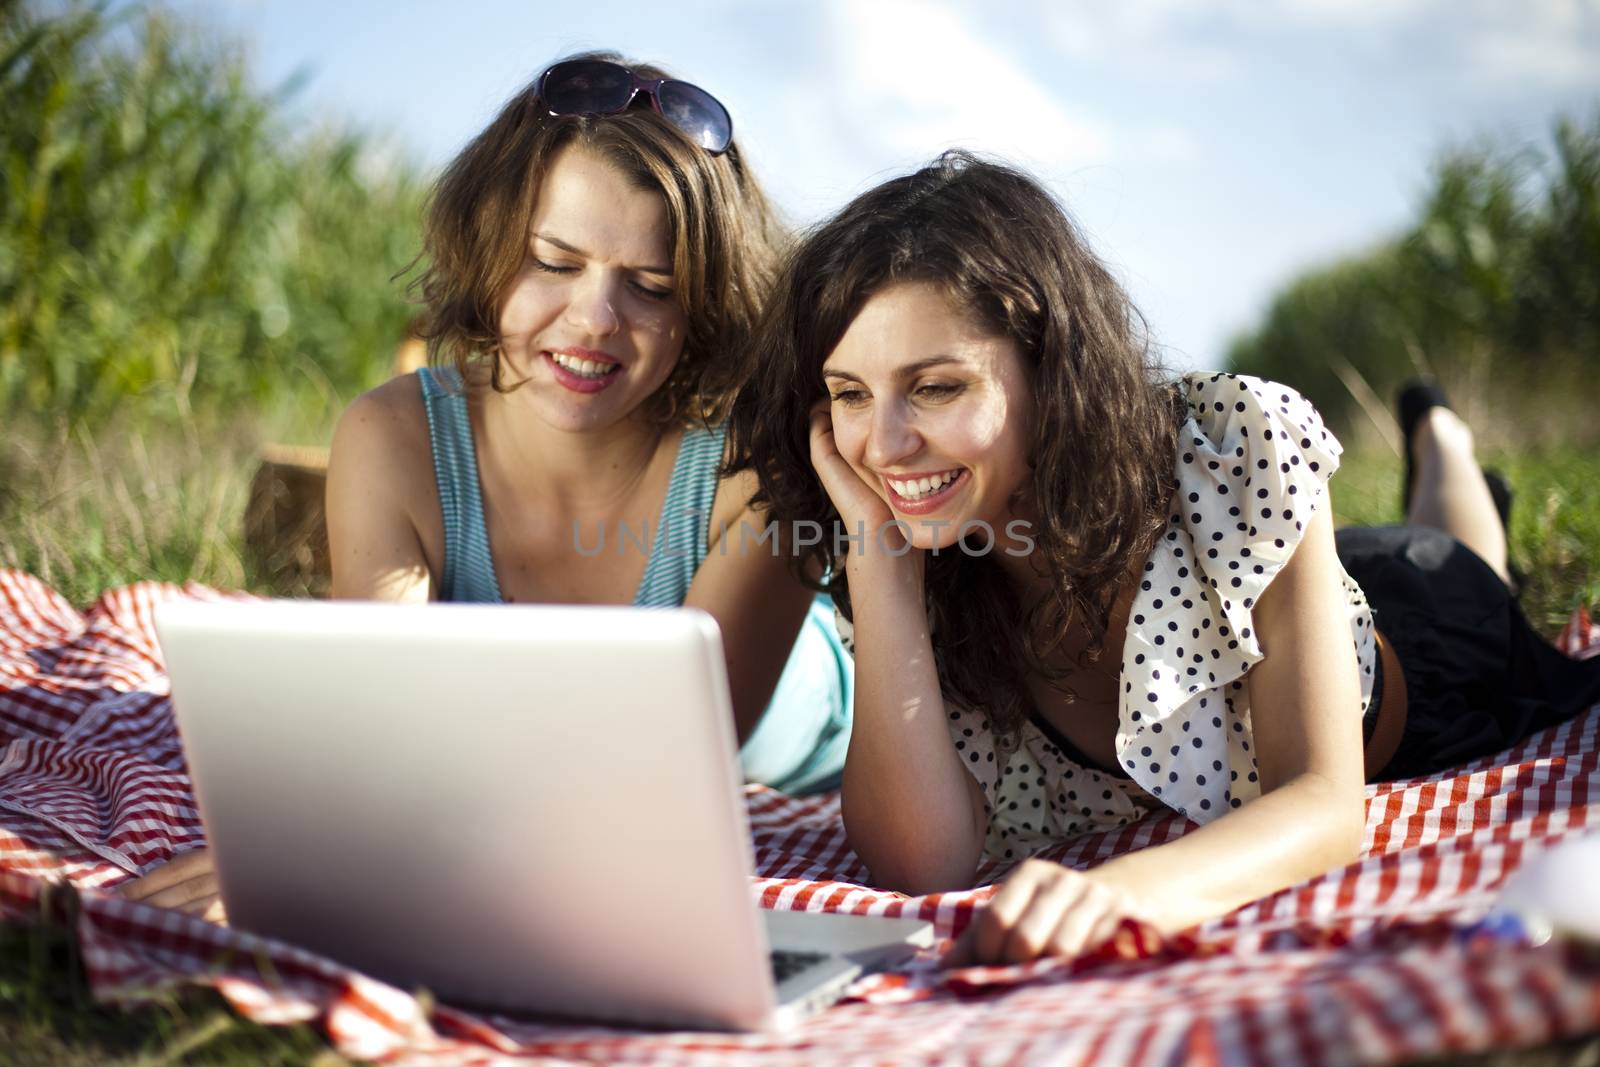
1252,465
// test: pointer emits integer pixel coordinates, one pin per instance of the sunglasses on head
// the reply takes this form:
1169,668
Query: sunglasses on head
601,87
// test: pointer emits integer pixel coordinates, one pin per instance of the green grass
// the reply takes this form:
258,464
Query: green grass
1555,521
48,1017
187,272
88,512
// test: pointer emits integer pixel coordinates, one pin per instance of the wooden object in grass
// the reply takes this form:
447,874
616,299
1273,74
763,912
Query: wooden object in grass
285,526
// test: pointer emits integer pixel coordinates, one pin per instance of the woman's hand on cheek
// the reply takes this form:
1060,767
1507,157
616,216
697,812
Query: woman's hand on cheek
859,506
1043,910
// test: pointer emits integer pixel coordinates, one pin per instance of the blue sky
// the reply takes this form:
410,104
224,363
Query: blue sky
1209,149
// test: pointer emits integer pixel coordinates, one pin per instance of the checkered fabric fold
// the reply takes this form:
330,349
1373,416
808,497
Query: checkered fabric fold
1365,965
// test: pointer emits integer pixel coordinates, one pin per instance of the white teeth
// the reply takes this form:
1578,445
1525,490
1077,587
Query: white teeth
921,487
586,368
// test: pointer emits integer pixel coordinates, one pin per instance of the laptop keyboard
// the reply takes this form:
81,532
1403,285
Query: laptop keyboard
786,963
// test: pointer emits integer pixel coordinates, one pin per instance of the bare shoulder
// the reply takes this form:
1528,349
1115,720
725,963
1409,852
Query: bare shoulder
392,410
733,501
384,431
385,530
382,457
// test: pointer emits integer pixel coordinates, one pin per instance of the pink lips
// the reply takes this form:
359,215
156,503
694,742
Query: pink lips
927,504
576,382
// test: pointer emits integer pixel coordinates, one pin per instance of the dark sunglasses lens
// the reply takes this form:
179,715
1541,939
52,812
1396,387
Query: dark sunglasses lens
697,113
587,87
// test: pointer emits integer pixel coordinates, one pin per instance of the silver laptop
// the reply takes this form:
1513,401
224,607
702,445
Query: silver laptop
534,810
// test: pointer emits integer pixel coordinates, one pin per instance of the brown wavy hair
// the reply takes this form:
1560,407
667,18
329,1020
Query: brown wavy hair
1107,414
725,238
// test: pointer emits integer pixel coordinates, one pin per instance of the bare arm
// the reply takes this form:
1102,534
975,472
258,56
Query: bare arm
375,490
911,811
1303,701
758,604
1309,820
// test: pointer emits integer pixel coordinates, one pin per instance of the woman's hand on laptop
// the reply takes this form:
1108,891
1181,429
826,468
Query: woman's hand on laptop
187,883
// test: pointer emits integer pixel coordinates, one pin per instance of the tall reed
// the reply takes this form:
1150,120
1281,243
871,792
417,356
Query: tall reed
170,240
1494,288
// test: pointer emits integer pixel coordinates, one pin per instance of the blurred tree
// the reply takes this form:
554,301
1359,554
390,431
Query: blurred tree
1495,289
167,238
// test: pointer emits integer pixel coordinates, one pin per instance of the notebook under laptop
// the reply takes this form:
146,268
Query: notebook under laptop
528,809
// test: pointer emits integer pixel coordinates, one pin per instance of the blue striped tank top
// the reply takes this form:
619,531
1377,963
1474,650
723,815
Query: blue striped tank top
677,542
800,744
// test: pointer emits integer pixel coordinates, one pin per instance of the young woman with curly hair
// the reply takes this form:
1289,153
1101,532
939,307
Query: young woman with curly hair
1080,591
596,260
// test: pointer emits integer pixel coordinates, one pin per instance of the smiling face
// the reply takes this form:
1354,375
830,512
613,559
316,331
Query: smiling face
591,320
932,411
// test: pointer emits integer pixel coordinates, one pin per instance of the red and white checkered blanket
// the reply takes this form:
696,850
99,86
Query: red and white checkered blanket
1364,965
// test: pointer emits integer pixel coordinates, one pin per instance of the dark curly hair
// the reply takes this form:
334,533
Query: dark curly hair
725,238
1107,414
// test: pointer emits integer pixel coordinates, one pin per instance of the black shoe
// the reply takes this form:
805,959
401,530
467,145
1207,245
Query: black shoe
1416,398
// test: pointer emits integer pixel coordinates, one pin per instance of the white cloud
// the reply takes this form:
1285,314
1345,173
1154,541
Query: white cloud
921,77
1357,13
1554,63
1149,40
1554,43
1549,43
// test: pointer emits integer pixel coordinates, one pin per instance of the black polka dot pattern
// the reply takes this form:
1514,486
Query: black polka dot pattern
1252,462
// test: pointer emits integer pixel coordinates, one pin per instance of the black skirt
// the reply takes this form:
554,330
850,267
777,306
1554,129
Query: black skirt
1479,679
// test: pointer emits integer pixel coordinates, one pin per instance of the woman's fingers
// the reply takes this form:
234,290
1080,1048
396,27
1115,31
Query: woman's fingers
1056,902
199,889
1042,910
208,908
993,926
180,869
961,954
1102,930
858,504
824,452
187,883
1086,926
